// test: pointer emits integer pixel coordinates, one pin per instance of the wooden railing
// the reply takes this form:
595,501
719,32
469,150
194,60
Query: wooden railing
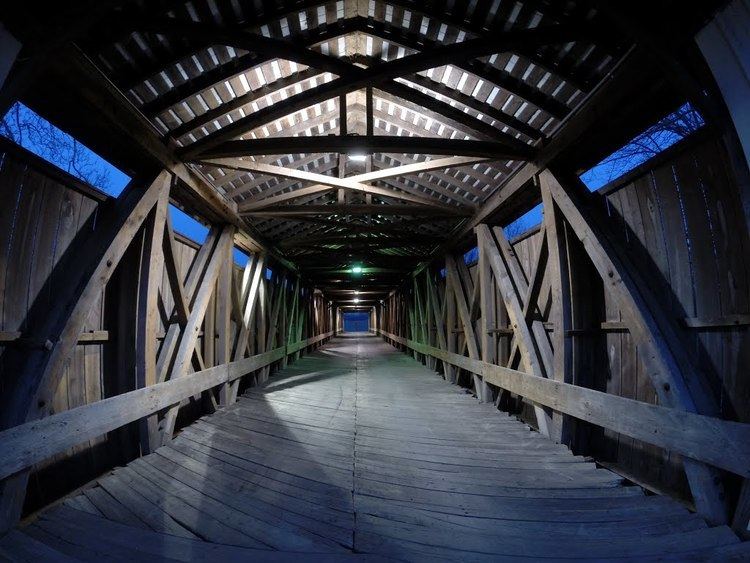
721,443
23,446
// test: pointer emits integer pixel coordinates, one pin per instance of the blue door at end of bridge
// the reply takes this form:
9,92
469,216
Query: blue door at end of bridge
356,322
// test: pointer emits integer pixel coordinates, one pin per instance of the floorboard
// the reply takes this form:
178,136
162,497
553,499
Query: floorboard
360,452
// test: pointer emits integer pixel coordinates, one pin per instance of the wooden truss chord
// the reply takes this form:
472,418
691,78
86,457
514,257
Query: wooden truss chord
668,365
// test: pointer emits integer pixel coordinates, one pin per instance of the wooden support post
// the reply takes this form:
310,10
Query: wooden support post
261,325
251,280
462,289
223,322
668,363
183,295
487,319
451,337
189,337
562,361
412,326
291,318
150,277
431,329
502,268
438,317
437,312
273,323
419,317
300,322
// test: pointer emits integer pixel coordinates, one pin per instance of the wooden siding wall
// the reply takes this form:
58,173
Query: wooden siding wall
43,212
678,218
681,221
41,215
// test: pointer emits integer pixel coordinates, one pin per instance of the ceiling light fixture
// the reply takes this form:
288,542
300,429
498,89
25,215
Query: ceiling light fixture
357,157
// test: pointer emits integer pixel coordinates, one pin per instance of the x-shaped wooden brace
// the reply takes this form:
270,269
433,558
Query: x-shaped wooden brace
515,289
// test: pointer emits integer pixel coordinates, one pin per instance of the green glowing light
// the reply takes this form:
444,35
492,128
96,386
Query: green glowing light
356,269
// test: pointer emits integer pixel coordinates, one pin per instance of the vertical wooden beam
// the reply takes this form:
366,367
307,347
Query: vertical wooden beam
273,323
147,320
284,295
419,317
437,312
487,319
429,330
292,317
183,295
189,337
450,323
251,279
526,343
261,323
209,329
302,315
668,363
462,289
559,272
224,321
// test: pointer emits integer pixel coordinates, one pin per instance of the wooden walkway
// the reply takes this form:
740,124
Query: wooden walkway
358,451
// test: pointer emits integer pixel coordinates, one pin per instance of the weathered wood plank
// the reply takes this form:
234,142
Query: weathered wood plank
698,437
30,443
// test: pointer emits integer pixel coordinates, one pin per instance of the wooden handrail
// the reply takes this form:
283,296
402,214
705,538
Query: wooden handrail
27,444
721,443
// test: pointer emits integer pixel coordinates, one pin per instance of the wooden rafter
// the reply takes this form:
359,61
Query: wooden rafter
352,78
361,209
494,150
324,183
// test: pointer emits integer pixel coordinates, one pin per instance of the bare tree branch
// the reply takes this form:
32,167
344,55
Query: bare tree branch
652,141
25,128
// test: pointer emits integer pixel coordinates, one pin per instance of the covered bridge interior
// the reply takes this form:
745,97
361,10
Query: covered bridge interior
575,386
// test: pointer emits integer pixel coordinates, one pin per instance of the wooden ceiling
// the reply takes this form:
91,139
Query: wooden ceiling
443,101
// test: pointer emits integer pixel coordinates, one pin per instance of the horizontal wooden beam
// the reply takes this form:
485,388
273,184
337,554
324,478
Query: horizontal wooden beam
15,338
384,174
324,182
346,238
354,209
25,445
721,443
353,144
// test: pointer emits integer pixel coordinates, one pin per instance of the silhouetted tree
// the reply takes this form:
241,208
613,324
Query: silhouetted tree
652,141
26,128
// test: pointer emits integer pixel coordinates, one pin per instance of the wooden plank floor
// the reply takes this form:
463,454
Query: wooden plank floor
358,451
